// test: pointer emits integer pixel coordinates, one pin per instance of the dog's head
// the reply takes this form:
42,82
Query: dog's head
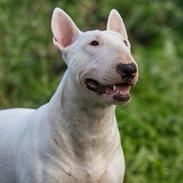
99,61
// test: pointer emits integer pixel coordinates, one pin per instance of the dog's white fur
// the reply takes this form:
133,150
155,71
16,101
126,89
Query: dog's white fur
73,138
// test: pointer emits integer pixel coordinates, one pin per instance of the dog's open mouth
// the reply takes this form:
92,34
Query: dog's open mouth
118,92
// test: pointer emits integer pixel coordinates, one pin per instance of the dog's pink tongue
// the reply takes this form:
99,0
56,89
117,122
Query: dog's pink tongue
123,88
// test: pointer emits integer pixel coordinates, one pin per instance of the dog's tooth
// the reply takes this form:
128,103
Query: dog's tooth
114,87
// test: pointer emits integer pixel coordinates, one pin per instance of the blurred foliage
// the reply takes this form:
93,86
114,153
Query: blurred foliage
152,125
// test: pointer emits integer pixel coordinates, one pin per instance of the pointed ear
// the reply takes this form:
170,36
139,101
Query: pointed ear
64,30
115,23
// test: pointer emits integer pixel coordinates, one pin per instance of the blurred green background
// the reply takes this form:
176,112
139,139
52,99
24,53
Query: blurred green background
152,124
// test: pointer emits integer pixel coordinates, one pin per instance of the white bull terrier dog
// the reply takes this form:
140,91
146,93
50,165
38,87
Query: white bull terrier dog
74,138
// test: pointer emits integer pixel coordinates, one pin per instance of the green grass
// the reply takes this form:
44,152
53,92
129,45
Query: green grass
151,125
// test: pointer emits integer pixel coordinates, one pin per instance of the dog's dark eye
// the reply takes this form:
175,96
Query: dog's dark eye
94,43
126,43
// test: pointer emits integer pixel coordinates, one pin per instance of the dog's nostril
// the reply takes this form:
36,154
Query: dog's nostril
126,70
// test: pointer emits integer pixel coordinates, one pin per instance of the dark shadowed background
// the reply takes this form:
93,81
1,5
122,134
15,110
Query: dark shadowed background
151,126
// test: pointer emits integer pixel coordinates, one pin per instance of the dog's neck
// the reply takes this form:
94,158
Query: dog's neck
86,124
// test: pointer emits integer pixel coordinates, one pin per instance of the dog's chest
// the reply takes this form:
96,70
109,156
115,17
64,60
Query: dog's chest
87,172
83,176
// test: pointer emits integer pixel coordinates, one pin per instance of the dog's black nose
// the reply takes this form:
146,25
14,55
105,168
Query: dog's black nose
126,70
